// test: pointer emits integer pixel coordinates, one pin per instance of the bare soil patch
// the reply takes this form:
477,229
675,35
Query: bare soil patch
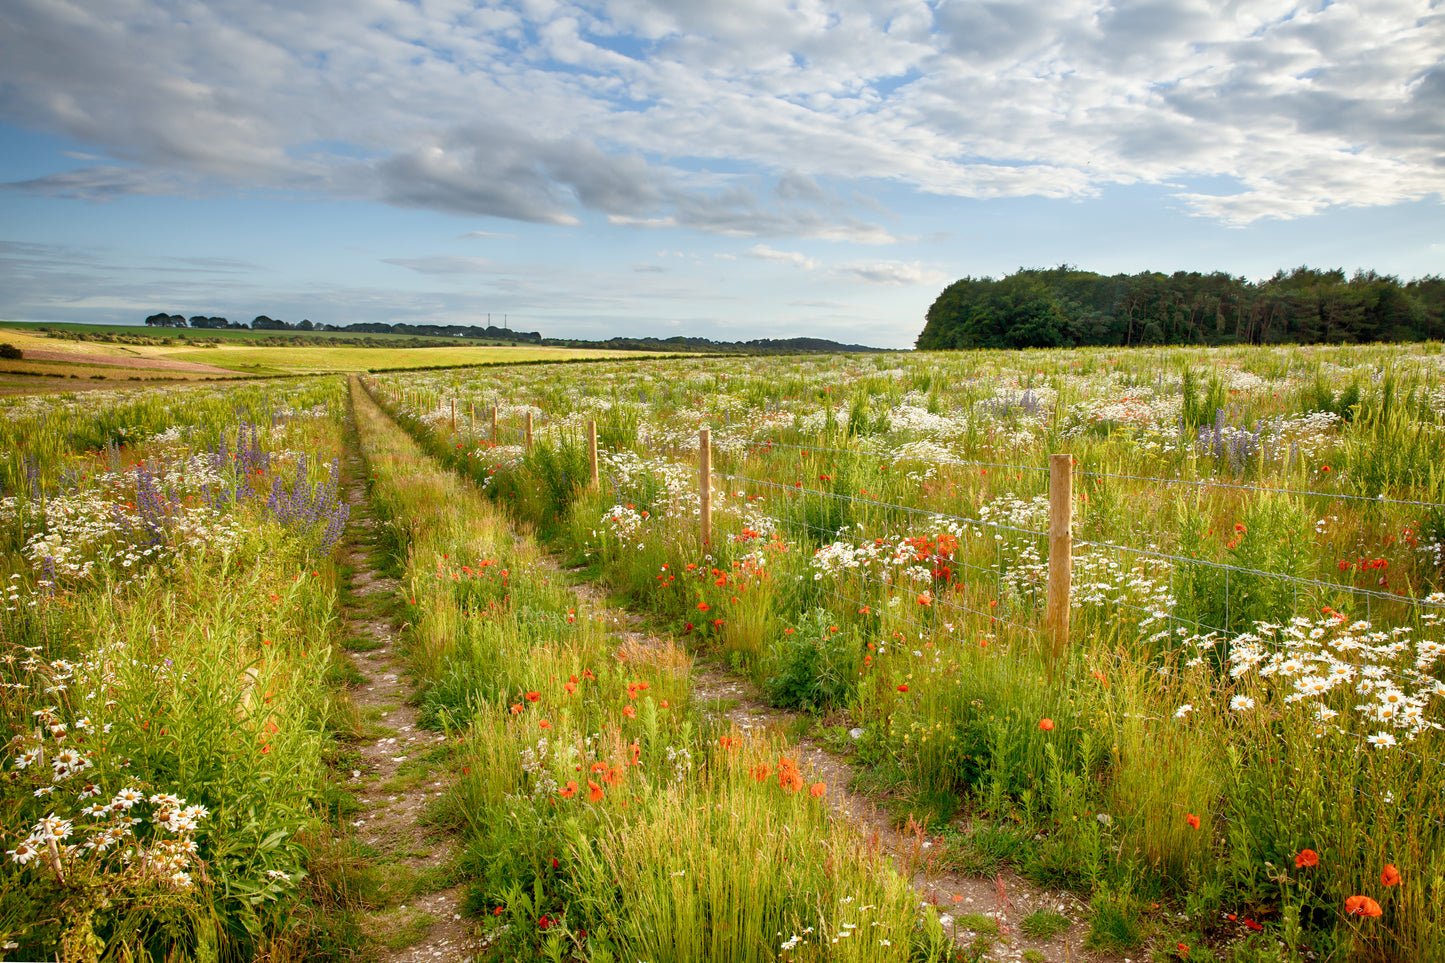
119,361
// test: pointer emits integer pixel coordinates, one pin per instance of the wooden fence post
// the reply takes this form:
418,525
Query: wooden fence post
472,415
704,482
494,424
529,431
1061,553
454,414
592,451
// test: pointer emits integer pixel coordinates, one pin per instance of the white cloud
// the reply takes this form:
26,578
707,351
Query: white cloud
764,253
893,272
734,118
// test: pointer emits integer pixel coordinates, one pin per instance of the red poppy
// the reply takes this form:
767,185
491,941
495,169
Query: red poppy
818,789
1192,820
1046,724
570,790
703,606
533,696
629,712
903,688
595,793
1362,906
1306,857
1390,876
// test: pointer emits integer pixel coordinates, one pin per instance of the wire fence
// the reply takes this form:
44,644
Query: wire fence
644,438
948,608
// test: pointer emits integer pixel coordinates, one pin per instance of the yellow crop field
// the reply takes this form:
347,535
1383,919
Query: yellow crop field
326,360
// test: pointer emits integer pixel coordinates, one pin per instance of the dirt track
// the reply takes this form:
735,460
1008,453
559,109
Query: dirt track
118,361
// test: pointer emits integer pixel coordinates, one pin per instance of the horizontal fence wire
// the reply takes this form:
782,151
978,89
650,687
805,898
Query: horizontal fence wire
1280,576
1119,659
1078,542
873,502
1304,492
883,454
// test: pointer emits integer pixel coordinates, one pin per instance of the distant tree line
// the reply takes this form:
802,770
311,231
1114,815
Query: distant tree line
262,323
1062,307
679,343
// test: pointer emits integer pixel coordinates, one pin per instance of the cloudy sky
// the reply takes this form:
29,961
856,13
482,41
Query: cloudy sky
726,168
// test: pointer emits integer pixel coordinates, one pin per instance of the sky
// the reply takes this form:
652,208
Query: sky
731,169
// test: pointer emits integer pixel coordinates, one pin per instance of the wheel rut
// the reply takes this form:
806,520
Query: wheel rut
398,769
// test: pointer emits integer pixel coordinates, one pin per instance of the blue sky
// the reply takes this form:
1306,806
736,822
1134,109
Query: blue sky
731,170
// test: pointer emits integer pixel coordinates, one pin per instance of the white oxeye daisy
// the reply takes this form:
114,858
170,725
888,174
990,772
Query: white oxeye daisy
1240,703
24,851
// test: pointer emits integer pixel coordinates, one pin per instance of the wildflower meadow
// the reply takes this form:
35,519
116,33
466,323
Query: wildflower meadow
1233,755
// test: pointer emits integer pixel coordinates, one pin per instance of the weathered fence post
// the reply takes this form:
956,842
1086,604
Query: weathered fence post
704,482
454,414
592,451
472,415
494,424
529,431
1061,553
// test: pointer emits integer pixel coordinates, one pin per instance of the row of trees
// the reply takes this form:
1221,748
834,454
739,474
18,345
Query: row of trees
262,323
1064,306
163,320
